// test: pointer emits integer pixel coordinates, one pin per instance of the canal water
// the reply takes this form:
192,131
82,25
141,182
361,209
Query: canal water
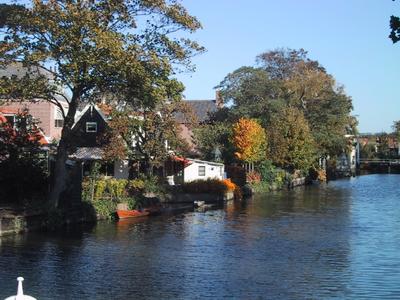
340,240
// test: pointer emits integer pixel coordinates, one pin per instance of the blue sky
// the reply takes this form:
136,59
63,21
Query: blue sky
348,37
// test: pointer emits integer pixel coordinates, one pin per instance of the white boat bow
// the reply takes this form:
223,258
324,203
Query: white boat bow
20,292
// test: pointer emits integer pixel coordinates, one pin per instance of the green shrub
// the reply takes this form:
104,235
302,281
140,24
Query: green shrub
272,178
151,184
136,186
132,202
117,187
104,194
86,185
100,187
209,186
267,171
105,208
261,187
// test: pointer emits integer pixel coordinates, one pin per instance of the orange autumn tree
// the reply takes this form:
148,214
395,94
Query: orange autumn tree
250,141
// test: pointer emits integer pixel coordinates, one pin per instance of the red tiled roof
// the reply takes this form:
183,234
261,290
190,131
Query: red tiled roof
181,159
6,110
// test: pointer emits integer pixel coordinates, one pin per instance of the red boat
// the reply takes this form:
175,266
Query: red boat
134,213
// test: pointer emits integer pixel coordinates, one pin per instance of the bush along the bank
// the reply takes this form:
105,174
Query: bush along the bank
267,177
211,186
105,193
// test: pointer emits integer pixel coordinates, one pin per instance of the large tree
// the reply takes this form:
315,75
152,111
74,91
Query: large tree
395,28
124,48
251,92
145,136
250,141
288,78
291,145
214,142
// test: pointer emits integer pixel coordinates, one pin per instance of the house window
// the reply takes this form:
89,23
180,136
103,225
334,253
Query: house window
91,127
58,123
107,169
10,120
202,170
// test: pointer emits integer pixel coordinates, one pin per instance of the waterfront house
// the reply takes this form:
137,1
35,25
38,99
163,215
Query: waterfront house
349,159
202,111
88,131
50,115
91,124
179,170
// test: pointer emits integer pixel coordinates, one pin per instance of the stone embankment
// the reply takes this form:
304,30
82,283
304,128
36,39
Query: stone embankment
13,221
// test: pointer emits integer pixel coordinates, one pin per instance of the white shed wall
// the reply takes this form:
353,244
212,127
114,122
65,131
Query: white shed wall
191,172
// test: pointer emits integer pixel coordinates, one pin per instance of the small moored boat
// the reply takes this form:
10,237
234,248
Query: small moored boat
134,213
124,212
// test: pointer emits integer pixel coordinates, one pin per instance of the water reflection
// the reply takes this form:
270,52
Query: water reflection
339,240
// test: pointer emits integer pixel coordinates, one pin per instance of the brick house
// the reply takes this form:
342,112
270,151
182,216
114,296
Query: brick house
202,110
48,114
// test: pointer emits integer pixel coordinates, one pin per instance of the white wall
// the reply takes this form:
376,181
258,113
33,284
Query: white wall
121,169
191,172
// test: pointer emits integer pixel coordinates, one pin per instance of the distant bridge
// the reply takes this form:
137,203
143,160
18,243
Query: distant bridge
385,165
377,161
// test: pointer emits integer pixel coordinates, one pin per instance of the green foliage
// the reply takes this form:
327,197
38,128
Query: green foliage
396,128
100,188
132,202
368,151
105,207
105,193
136,186
213,138
281,178
291,144
209,186
261,187
272,178
395,29
127,50
267,171
383,146
252,93
288,78
152,184
23,174
117,188
144,138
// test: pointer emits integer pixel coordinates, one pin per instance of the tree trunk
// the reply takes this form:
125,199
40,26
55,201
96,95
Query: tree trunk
148,166
60,173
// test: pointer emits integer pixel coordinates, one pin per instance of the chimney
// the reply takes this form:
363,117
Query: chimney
218,99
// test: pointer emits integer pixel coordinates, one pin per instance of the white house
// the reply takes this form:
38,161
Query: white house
199,169
349,159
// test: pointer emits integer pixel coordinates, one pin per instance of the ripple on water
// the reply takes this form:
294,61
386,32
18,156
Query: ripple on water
335,241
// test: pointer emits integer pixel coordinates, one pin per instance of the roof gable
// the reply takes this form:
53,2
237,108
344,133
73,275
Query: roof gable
202,109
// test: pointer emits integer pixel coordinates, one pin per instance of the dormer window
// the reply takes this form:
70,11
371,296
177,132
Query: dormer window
58,123
91,127
10,120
